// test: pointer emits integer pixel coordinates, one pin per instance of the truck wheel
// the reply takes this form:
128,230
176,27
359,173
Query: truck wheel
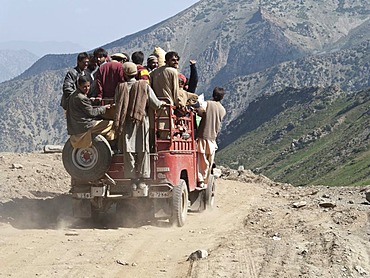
179,204
90,163
210,193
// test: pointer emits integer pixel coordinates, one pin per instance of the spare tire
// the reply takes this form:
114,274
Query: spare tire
87,164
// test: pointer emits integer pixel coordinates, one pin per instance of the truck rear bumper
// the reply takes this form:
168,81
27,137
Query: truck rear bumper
154,191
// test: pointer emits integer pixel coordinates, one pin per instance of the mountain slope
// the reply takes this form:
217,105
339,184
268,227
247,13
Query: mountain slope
347,68
219,33
32,120
307,136
251,47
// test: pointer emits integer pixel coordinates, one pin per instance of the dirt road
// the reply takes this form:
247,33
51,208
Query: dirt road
258,229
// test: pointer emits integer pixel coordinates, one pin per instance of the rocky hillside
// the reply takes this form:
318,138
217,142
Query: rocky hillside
307,136
32,120
251,47
347,68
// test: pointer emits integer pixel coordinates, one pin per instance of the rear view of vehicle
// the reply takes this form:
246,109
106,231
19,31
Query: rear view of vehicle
98,182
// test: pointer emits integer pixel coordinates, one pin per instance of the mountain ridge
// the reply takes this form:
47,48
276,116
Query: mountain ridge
14,62
40,49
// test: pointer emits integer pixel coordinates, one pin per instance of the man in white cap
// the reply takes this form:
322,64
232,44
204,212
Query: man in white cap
152,62
119,57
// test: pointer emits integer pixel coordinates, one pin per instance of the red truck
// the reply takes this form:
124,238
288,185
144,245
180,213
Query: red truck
98,182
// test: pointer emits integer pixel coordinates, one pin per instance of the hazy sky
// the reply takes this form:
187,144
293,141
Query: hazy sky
89,23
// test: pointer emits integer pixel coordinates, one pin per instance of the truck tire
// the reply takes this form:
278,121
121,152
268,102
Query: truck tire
87,164
179,204
210,193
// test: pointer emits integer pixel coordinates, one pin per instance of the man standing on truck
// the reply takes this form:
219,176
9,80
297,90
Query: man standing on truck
142,73
70,80
165,80
101,56
108,76
133,100
212,113
165,83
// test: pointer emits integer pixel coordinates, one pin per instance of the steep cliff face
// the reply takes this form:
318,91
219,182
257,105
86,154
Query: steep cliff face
251,47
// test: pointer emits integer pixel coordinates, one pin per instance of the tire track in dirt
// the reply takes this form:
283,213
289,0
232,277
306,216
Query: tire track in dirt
202,231
80,250
233,213
253,232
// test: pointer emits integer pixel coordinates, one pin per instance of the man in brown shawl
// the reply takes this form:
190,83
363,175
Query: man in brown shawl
133,99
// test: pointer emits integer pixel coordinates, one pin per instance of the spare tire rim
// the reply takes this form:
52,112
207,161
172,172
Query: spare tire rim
85,159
